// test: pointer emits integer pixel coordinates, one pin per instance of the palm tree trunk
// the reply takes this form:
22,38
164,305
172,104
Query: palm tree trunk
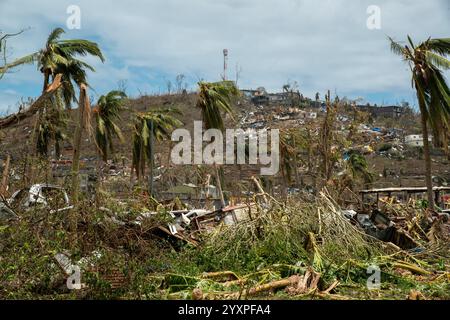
297,178
73,223
77,143
46,80
39,113
152,154
426,151
219,186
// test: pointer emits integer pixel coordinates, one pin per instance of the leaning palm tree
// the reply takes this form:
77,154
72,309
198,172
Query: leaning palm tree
426,60
157,124
213,100
106,114
62,57
62,54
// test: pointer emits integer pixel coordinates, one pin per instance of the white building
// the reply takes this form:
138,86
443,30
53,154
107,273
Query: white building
416,140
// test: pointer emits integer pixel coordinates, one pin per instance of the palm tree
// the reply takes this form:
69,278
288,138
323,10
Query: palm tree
432,91
106,114
59,56
157,124
215,98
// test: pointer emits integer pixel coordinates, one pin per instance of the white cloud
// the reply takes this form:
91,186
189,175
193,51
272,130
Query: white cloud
321,44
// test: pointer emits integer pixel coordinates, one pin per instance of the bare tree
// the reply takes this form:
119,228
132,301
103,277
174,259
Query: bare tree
169,86
4,66
122,85
179,80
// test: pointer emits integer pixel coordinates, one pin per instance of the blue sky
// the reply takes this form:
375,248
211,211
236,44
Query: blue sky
319,44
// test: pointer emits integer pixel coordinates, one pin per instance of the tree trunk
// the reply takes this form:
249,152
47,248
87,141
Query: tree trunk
5,176
83,107
152,154
46,80
38,115
297,178
219,186
426,151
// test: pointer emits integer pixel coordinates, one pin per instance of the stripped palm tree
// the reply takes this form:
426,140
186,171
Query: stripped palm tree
157,124
106,114
215,99
426,60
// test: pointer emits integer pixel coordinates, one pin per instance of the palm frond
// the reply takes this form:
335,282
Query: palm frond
439,46
437,60
215,99
107,113
54,35
163,123
81,47
396,47
29,59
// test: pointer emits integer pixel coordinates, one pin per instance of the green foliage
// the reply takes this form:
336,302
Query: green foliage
59,56
426,61
106,114
357,164
162,122
215,98
284,235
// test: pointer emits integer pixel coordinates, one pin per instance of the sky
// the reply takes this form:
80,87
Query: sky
320,44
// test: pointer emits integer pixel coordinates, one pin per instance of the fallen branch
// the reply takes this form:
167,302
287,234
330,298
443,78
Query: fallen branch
412,268
35,106
221,276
